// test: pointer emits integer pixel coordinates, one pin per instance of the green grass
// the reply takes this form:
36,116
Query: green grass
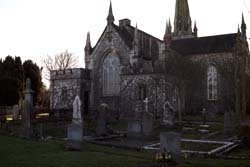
215,163
245,152
27,153
17,153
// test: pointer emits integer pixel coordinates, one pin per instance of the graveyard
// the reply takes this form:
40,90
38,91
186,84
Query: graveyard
69,138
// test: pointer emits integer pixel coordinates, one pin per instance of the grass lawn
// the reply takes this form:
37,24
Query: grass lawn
25,153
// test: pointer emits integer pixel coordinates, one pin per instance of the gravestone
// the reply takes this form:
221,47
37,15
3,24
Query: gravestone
171,142
135,124
147,123
26,129
16,112
75,130
134,128
101,128
168,114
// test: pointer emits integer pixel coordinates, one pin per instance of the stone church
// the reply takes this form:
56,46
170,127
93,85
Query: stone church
127,67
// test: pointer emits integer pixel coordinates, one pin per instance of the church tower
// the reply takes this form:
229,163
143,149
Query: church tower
182,21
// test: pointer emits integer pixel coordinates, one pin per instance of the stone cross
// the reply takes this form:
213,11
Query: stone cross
77,114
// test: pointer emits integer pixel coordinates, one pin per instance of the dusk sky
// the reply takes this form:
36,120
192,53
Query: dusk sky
32,29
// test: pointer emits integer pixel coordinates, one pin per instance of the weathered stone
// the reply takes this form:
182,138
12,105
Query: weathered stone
28,92
75,132
168,114
147,124
134,128
101,128
171,142
26,110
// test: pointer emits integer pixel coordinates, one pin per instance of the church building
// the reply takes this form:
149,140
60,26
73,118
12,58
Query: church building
128,66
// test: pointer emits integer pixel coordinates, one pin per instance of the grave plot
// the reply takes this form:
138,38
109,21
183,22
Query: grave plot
196,147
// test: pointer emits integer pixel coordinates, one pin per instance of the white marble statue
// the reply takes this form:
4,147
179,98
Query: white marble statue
77,114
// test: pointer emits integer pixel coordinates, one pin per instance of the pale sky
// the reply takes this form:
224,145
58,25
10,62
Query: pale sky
32,29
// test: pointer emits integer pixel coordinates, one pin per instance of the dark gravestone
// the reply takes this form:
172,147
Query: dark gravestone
101,128
171,142
134,128
147,124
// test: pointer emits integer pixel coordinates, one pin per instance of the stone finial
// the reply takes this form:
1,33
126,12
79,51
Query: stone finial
168,31
136,36
195,29
88,46
110,18
243,27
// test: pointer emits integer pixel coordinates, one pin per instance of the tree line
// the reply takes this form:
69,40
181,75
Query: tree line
13,74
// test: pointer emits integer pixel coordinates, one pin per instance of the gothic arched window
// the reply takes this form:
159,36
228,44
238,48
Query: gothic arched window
111,75
212,83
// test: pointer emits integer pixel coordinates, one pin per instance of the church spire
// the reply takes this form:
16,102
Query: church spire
168,31
182,22
87,50
243,27
88,46
110,18
195,30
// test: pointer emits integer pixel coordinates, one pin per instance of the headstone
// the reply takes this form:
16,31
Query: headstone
26,109
147,124
135,124
168,114
75,130
134,128
171,142
16,112
101,128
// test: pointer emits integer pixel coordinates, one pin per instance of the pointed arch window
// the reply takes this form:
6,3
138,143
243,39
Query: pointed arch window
111,75
212,83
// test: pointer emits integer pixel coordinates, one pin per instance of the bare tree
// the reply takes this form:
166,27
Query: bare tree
61,61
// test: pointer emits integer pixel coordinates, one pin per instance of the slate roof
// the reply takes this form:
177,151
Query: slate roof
205,45
146,51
